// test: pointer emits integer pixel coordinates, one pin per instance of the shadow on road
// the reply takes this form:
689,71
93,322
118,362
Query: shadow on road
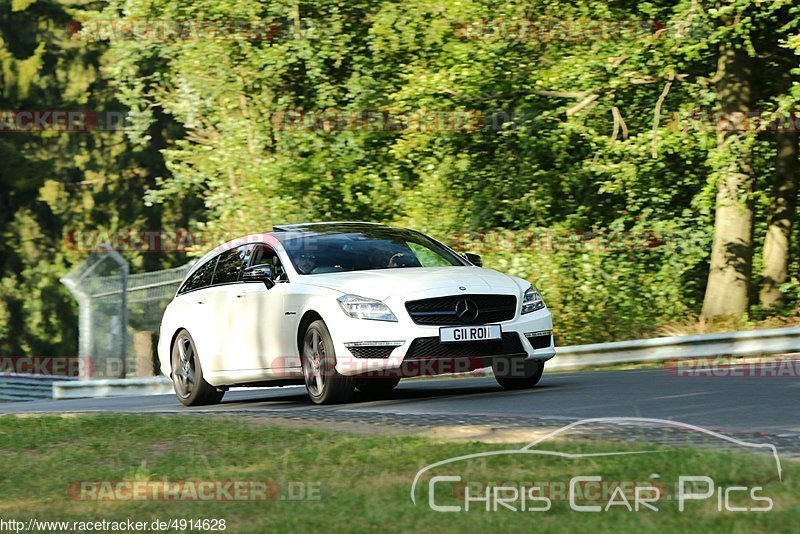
296,397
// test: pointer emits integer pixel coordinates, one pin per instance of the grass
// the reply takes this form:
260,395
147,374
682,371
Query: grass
364,482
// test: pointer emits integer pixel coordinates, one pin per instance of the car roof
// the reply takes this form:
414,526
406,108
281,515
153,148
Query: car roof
326,226
288,231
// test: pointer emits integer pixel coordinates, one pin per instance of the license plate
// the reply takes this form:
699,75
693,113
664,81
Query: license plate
456,334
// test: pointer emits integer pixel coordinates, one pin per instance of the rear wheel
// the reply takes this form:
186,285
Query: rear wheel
517,374
324,384
376,385
187,374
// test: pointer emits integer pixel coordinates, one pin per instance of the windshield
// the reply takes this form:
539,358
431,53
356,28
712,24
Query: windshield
334,250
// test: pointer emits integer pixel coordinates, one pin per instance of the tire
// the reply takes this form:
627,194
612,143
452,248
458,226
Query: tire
187,374
518,374
323,383
376,385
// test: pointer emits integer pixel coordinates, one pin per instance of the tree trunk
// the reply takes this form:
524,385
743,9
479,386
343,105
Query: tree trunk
727,291
783,202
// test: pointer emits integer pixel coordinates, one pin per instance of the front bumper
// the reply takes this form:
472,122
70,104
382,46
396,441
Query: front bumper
364,346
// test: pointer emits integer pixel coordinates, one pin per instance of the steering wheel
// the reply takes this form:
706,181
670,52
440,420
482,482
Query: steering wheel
401,259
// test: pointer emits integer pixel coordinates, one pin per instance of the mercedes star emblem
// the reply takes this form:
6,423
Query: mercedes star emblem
466,310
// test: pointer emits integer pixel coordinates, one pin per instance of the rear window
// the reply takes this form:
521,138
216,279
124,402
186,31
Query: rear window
229,266
201,277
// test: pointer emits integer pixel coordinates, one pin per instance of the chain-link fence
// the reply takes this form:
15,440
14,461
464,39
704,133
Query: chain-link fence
120,313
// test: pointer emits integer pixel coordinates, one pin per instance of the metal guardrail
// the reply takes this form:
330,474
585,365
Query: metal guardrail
745,343
24,387
115,387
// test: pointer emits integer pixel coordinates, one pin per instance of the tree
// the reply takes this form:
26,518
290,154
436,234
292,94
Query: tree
727,292
783,207
783,195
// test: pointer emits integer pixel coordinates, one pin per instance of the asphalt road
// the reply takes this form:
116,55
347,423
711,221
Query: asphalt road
737,404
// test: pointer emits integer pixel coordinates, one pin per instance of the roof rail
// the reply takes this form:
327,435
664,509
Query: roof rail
300,226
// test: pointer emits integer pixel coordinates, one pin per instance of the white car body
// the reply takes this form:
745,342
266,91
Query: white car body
249,334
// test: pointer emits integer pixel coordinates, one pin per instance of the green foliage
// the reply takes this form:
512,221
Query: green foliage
214,144
54,183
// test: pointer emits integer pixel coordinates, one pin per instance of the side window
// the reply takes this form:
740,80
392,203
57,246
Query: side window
201,277
265,254
229,266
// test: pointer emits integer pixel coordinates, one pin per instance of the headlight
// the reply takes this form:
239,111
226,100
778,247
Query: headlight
531,301
364,308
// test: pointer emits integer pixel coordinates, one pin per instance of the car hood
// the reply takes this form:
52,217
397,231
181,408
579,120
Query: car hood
384,283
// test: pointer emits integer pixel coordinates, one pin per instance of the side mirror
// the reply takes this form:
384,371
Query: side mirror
259,273
474,259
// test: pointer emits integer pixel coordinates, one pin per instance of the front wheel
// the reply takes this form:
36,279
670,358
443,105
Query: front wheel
517,374
324,384
187,374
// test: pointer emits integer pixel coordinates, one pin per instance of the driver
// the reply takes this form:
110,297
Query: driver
306,262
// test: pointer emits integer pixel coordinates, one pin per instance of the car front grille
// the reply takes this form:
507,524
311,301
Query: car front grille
424,348
442,310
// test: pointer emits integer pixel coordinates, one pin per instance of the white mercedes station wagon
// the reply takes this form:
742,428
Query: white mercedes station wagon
340,306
